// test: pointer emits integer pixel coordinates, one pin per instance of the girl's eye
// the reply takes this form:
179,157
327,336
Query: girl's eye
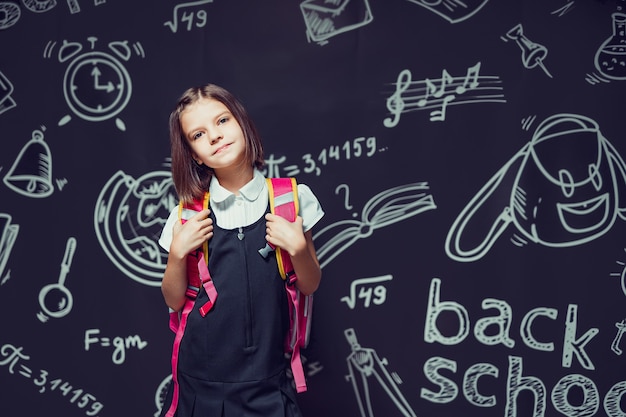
222,120
197,135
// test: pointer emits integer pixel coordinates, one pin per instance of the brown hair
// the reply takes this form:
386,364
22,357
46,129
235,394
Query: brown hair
190,179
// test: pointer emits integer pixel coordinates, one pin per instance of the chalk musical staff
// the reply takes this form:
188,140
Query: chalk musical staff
438,93
471,79
395,104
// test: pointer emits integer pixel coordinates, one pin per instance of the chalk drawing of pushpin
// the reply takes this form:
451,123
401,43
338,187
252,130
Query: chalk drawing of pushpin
55,299
533,53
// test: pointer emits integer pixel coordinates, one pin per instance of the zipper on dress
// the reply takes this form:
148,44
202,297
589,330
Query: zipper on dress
248,301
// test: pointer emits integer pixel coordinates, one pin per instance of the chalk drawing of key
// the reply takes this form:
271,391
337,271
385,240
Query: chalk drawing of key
55,299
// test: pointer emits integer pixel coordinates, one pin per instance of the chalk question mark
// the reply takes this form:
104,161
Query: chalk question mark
346,201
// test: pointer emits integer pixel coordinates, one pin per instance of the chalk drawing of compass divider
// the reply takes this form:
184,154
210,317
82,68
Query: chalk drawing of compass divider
384,209
439,93
366,372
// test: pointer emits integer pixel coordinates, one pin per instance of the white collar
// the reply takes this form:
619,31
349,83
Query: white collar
250,191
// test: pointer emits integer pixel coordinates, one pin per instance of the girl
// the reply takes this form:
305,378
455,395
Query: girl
231,361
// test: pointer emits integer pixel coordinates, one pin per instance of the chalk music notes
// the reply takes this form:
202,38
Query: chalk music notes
470,81
437,94
395,104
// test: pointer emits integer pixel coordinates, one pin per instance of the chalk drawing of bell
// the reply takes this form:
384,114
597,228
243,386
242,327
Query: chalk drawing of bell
31,173
566,187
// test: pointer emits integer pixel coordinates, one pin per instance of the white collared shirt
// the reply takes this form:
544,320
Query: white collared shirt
233,211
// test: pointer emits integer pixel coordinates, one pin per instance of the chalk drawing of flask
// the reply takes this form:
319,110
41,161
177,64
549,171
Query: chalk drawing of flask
610,58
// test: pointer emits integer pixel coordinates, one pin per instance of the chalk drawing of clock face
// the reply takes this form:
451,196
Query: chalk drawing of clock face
96,86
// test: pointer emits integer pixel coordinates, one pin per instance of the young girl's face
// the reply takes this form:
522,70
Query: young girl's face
215,137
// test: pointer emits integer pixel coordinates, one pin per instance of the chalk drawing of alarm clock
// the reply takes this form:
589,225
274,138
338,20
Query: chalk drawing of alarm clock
566,187
96,85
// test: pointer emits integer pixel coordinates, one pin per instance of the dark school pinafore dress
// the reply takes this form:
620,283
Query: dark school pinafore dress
231,362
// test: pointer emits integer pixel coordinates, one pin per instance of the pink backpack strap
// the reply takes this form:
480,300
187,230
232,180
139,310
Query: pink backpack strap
283,199
178,320
298,306
178,323
208,285
186,211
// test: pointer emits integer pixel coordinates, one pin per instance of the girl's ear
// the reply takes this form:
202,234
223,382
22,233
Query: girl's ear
197,160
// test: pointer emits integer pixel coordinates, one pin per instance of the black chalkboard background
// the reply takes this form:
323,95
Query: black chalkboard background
469,157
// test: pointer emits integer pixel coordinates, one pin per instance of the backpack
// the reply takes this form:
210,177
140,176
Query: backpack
283,199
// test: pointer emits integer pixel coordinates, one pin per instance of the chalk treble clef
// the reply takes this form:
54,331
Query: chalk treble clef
395,104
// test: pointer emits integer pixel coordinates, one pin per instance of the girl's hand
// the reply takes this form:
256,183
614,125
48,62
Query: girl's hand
285,234
192,234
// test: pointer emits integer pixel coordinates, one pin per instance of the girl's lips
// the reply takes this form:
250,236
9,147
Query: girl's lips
221,148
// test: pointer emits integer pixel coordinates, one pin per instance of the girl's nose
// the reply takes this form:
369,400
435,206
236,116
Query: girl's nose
216,137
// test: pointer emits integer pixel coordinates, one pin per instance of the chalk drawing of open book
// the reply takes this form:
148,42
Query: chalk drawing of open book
384,209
